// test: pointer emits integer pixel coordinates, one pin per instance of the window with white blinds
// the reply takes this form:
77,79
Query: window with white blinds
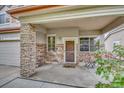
4,19
87,44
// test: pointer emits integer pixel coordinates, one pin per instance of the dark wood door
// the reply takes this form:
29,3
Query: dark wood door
69,51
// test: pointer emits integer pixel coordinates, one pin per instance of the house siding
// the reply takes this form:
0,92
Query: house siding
118,36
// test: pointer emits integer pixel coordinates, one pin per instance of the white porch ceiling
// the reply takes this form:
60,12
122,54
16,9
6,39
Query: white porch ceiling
92,23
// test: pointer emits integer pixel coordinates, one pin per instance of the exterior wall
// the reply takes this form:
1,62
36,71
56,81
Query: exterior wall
64,32
40,54
41,37
40,48
6,8
9,42
58,55
118,36
101,39
86,56
43,56
9,38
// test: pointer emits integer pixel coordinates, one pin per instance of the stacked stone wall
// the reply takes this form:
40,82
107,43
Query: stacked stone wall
57,55
28,50
41,54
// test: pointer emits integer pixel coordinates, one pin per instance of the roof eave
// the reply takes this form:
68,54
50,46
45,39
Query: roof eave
31,8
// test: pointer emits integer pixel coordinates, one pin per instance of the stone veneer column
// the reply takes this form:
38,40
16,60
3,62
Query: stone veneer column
41,54
28,50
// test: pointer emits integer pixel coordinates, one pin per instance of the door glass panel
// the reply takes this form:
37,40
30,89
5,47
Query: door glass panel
69,51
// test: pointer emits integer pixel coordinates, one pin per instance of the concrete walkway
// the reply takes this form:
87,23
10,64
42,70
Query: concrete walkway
25,83
8,73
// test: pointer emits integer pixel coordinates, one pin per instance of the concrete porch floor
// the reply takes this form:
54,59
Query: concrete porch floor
79,76
10,78
49,76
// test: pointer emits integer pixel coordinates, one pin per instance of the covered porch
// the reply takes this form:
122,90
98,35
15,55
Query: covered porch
70,42
64,34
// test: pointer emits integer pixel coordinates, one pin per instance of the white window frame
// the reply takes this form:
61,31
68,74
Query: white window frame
89,42
47,41
4,13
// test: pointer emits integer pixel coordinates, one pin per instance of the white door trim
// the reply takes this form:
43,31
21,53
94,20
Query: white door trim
75,39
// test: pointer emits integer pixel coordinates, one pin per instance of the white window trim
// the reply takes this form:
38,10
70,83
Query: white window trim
117,42
47,40
93,36
89,43
4,13
88,36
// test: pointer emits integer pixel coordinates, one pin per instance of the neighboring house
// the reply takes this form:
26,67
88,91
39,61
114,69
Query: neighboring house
63,34
114,37
9,38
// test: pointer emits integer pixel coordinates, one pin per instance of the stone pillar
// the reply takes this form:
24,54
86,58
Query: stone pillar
28,50
41,54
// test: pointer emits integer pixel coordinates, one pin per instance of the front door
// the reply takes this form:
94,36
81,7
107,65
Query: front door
69,51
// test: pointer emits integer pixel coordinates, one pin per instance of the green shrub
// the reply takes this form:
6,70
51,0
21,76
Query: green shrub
111,67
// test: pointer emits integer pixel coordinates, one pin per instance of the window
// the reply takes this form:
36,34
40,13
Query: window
51,43
87,44
4,18
115,43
